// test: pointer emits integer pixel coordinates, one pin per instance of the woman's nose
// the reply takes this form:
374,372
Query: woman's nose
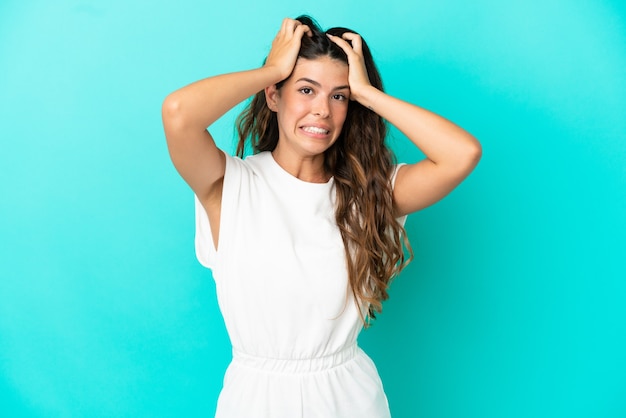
321,108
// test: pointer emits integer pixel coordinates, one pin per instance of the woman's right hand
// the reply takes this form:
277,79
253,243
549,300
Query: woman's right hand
286,46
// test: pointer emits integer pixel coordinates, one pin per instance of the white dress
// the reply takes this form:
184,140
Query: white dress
282,288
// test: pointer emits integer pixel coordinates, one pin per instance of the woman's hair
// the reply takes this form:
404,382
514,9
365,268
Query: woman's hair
362,167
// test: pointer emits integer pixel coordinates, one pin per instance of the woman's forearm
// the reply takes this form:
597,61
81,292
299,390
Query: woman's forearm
201,103
440,140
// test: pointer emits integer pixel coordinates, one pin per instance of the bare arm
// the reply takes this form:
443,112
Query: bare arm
451,152
189,111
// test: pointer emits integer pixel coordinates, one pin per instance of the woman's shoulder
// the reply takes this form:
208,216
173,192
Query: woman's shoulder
260,159
251,163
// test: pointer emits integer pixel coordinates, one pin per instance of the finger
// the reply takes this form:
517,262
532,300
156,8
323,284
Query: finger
355,39
302,29
289,26
285,24
342,43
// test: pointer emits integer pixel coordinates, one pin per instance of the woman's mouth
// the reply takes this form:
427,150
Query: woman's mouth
315,130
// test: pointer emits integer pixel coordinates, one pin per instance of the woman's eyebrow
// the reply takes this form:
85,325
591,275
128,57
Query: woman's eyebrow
316,84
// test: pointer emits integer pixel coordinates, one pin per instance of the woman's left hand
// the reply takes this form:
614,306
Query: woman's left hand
357,73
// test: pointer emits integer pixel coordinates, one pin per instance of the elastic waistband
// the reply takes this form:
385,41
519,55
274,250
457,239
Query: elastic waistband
304,365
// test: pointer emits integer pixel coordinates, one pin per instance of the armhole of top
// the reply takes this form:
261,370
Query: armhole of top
401,219
206,253
205,250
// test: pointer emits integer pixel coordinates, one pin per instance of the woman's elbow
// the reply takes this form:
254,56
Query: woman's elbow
467,155
171,113
170,109
474,152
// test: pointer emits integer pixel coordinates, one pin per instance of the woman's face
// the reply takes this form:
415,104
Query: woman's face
311,106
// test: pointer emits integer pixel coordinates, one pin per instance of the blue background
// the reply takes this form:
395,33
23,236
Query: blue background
515,305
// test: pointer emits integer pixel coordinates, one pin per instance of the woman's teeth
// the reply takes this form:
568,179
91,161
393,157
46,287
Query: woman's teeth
314,130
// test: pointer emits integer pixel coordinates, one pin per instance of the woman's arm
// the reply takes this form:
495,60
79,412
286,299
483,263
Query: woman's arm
451,152
189,111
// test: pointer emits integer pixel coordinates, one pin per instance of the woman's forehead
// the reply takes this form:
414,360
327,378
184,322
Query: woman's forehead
323,70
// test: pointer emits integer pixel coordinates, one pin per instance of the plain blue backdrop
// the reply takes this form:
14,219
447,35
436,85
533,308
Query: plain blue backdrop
515,305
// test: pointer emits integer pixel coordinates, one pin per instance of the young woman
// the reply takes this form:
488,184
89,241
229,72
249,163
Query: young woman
304,236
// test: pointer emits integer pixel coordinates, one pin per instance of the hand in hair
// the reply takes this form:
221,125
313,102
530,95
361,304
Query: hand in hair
357,73
286,45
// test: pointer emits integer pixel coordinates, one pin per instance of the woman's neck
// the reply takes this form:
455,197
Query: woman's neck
306,168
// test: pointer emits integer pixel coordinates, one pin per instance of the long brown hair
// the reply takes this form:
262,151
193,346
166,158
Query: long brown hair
362,166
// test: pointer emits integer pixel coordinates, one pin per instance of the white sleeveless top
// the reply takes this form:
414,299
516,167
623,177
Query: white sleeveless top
282,288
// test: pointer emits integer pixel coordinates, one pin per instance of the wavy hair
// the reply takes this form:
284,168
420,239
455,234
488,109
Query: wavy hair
362,166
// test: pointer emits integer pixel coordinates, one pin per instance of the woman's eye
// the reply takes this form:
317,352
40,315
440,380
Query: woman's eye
339,97
306,90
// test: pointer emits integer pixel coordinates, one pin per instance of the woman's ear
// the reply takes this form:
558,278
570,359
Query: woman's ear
271,97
